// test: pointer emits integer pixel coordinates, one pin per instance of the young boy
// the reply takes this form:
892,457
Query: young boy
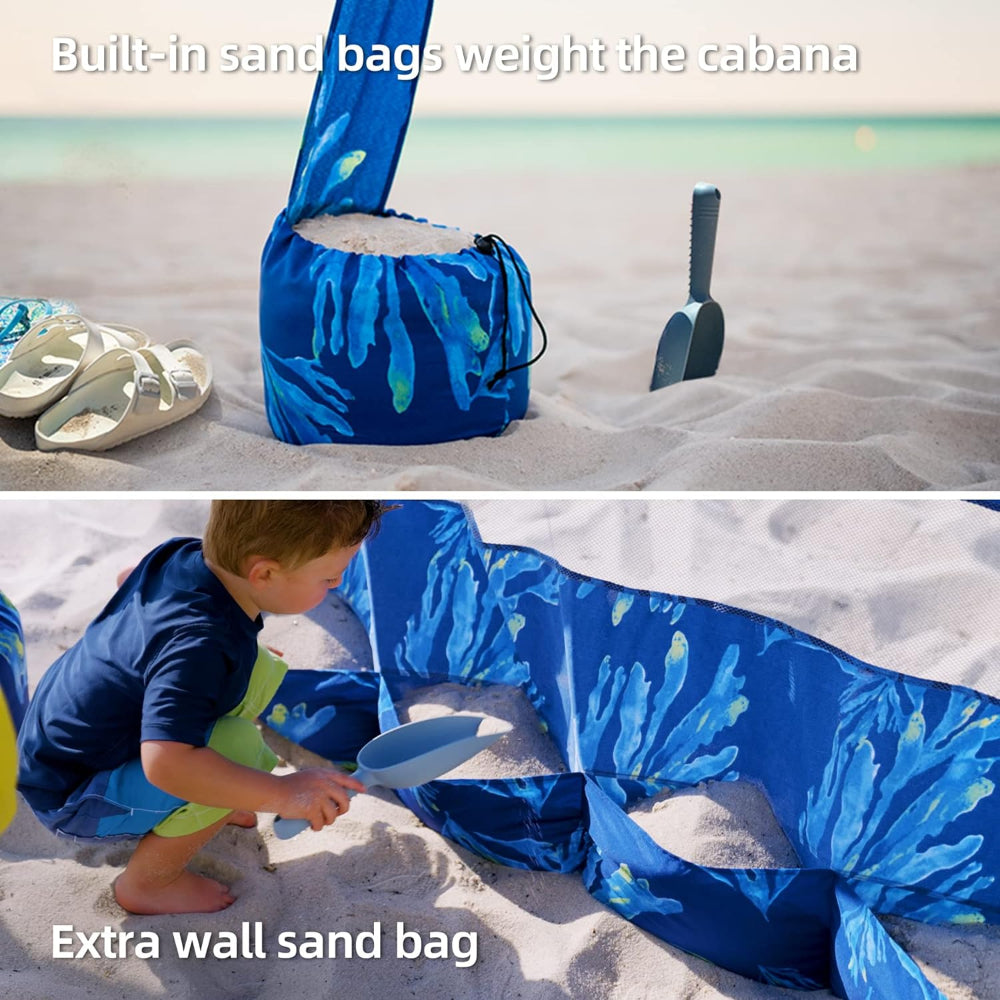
145,726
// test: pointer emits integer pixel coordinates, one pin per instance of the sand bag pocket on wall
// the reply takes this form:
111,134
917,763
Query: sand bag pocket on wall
378,328
642,693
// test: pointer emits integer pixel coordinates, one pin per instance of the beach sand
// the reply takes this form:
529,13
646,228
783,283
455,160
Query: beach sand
909,584
391,236
862,312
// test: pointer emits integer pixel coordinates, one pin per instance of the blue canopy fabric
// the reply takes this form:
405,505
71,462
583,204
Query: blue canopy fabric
367,348
357,117
884,784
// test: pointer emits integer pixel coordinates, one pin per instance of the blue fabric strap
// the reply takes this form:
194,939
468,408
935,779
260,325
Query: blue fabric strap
358,120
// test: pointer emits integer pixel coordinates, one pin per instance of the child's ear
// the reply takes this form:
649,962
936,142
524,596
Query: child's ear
260,571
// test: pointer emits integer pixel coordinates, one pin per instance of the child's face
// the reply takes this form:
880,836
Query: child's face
293,592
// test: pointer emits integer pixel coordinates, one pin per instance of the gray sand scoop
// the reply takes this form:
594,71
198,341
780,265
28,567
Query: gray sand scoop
411,755
691,343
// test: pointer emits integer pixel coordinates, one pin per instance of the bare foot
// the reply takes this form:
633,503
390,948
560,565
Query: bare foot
242,817
188,893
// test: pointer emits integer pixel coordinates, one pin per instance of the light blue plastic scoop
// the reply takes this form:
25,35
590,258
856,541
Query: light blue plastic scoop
691,343
411,755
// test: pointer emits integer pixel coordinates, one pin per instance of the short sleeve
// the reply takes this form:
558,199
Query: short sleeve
189,684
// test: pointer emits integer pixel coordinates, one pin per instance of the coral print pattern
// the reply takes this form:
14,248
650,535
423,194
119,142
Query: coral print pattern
884,784
368,348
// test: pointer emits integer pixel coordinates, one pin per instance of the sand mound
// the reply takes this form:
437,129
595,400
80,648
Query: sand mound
721,824
388,236
525,750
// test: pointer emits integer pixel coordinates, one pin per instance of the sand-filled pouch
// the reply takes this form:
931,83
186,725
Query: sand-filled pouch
883,784
383,340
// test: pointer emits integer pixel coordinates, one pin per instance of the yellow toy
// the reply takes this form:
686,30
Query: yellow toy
8,766
13,701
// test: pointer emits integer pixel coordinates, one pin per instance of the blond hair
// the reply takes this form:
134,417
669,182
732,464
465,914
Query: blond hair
292,532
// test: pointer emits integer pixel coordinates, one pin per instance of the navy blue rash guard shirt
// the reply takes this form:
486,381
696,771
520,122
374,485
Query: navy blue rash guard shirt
170,654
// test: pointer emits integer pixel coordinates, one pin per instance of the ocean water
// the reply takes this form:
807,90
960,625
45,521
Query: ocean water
101,149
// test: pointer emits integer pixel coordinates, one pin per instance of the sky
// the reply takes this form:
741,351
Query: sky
915,56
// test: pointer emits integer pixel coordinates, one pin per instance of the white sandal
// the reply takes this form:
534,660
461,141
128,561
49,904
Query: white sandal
125,394
47,360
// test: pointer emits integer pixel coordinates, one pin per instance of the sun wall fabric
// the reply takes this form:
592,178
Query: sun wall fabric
884,784
371,349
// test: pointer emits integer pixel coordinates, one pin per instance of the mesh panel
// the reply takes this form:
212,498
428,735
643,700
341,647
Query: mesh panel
909,584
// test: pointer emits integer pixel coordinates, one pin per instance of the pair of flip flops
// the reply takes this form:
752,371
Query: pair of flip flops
18,316
95,386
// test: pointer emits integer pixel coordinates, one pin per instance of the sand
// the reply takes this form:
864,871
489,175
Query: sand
721,824
389,236
538,935
861,331
525,750
90,422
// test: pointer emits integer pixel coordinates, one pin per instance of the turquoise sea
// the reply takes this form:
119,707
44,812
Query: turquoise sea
97,149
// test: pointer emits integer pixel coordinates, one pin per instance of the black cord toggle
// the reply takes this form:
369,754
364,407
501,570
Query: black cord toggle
489,245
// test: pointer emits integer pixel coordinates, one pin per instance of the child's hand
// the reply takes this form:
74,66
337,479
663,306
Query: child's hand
317,795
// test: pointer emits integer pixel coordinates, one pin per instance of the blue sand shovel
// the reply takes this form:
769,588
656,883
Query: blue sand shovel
411,755
691,342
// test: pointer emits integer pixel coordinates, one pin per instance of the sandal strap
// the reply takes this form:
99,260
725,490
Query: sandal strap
126,336
184,382
45,329
97,336
94,346
146,381
68,324
148,385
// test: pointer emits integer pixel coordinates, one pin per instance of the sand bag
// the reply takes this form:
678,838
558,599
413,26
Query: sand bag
883,784
380,343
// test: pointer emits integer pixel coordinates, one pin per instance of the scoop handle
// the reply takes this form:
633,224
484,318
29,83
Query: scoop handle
704,223
285,829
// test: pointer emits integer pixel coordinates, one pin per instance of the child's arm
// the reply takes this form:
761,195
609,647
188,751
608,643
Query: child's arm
199,774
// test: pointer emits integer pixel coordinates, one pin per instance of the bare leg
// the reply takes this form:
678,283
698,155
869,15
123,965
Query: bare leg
156,879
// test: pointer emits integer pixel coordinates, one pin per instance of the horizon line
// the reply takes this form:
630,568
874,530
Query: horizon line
522,117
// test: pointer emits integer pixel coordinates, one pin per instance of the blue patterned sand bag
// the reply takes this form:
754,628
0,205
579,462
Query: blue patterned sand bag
372,349
884,784
18,316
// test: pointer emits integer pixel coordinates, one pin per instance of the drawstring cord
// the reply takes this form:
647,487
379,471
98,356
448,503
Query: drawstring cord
490,244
